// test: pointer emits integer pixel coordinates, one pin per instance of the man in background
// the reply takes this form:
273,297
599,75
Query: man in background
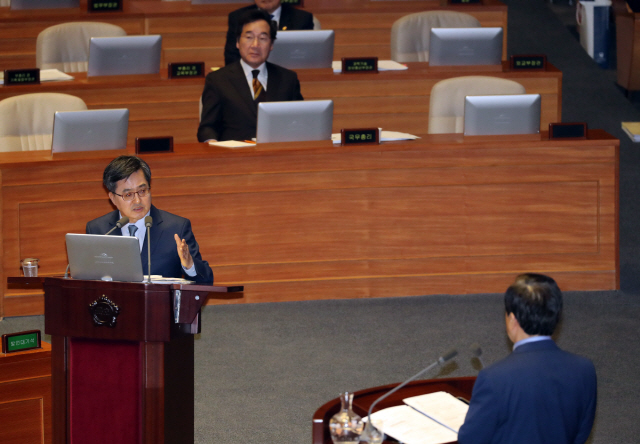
539,394
286,16
231,94
174,250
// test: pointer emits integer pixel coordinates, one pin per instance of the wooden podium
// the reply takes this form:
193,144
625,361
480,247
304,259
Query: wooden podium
122,359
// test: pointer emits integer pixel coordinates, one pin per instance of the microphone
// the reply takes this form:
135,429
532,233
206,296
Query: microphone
148,222
371,434
121,223
476,351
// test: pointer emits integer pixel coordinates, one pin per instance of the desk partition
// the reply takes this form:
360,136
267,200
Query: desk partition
445,214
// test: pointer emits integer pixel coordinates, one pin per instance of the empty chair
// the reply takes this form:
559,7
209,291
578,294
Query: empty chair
446,106
66,46
27,120
410,34
316,24
5,3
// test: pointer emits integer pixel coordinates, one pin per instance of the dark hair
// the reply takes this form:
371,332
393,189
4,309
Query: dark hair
536,302
253,15
121,168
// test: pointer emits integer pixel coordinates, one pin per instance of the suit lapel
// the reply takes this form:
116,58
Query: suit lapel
273,81
285,18
112,223
239,82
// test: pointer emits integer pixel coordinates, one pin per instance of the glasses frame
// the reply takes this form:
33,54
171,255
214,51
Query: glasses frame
145,191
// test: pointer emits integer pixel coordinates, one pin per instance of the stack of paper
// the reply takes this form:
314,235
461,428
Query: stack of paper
632,129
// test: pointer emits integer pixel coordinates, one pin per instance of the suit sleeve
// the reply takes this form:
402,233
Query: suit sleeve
211,117
296,90
590,411
231,53
481,421
204,274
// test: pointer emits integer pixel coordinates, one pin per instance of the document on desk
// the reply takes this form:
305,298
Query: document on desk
434,418
383,65
385,136
46,75
232,144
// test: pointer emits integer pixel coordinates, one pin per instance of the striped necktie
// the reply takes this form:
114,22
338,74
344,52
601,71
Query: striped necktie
257,86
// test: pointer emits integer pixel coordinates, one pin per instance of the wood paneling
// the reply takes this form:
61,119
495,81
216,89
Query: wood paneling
391,100
444,214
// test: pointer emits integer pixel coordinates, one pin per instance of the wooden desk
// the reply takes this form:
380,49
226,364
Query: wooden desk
198,32
628,46
397,100
25,396
300,221
363,399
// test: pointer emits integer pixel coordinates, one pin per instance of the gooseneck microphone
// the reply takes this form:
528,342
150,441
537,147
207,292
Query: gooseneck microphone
476,352
369,428
121,223
148,222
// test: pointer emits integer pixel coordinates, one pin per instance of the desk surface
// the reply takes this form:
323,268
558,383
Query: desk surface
445,214
363,399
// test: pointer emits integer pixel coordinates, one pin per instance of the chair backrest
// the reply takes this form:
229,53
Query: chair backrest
410,34
5,3
66,46
316,23
27,120
446,106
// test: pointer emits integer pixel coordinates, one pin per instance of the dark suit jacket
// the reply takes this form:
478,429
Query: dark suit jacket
164,254
290,18
539,394
228,109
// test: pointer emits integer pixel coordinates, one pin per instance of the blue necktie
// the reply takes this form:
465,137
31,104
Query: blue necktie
132,230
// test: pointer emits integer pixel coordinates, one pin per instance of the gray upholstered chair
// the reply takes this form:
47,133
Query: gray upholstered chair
410,34
27,120
5,3
316,23
446,106
66,46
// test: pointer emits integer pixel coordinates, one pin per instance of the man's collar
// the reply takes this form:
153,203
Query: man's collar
247,69
531,339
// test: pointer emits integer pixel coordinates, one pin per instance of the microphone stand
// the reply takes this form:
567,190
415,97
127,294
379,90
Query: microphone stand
148,221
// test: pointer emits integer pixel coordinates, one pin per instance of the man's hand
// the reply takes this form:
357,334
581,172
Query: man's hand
183,252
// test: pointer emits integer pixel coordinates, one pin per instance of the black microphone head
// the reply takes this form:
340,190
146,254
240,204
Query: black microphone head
124,220
148,221
476,351
448,355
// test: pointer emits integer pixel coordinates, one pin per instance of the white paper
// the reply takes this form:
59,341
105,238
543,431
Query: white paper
232,144
46,75
383,65
158,279
442,407
411,427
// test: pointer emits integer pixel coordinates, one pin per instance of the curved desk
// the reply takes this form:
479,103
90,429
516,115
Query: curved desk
363,399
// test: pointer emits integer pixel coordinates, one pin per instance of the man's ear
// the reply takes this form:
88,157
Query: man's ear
112,197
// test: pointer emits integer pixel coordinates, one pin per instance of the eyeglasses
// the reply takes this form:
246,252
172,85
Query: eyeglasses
128,197
262,38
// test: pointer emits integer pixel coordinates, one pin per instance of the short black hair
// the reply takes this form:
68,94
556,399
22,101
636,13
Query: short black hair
121,168
536,302
253,15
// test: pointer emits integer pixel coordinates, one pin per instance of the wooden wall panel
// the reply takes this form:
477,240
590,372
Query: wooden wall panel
445,214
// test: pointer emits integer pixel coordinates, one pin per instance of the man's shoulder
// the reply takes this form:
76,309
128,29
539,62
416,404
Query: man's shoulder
230,70
167,217
104,219
234,15
295,12
280,70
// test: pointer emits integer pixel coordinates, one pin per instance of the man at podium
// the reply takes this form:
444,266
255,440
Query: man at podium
174,250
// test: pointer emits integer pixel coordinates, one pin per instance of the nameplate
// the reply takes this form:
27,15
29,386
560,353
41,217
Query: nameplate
299,3
535,62
21,76
353,136
463,2
24,340
574,130
104,5
147,145
359,64
186,70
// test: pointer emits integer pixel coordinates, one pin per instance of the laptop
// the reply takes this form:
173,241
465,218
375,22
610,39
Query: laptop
107,258
465,46
91,130
502,114
303,49
294,121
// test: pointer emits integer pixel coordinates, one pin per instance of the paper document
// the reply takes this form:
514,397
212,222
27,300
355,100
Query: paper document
411,427
46,75
632,129
385,136
232,144
442,407
383,65
157,279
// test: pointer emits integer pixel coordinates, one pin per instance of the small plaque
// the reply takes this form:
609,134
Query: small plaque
104,5
185,70
535,62
359,64
147,145
104,312
575,130
360,136
464,2
299,3
24,340
21,76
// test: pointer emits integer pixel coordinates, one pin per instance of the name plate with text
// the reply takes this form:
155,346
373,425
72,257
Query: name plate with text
359,64
24,340
104,5
528,62
21,76
186,70
568,130
464,2
352,136
147,145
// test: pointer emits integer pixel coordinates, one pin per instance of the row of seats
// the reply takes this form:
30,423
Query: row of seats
27,122
66,46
